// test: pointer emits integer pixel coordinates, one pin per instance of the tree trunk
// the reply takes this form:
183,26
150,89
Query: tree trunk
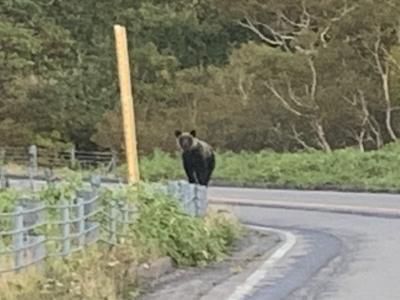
321,136
360,140
388,112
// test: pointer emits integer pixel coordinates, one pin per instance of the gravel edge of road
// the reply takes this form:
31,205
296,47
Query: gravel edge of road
198,282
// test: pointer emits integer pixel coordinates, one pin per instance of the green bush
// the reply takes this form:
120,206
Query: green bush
162,228
371,170
64,190
8,199
158,166
98,272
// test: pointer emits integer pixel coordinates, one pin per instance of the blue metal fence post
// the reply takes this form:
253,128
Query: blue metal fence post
81,222
49,178
72,158
33,158
125,218
66,247
95,182
18,238
113,222
2,156
3,178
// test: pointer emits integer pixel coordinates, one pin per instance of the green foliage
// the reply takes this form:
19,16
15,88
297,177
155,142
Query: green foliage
162,228
195,64
65,190
53,141
8,199
98,272
160,166
342,168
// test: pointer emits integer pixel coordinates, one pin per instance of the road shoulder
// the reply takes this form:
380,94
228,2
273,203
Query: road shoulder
202,283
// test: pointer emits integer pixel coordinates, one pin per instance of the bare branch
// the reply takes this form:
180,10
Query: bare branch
369,120
391,58
314,79
352,102
283,100
375,53
323,36
360,139
384,72
245,96
294,98
250,25
307,52
364,105
298,138
306,17
290,22
375,128
277,36
317,125
345,11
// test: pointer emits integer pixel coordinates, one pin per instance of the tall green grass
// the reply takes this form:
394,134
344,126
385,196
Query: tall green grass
347,168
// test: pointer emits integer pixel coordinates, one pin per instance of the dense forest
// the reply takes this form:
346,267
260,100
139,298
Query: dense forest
284,75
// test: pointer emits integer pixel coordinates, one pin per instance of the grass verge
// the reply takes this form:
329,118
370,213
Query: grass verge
347,169
100,272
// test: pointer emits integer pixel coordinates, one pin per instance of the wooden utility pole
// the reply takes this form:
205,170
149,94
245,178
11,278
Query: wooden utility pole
128,113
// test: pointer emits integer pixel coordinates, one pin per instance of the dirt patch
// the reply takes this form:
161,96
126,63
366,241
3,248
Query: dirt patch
194,283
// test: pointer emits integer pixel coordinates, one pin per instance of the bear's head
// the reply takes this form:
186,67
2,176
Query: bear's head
186,140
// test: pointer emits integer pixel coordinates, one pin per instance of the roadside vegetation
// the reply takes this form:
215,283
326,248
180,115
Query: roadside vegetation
103,272
348,168
341,169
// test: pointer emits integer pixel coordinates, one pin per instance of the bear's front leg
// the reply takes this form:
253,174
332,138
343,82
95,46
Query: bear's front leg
202,174
189,169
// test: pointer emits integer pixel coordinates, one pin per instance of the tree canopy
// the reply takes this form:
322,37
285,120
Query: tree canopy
248,75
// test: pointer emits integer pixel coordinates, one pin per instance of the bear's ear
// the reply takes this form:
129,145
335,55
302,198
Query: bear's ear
193,133
178,133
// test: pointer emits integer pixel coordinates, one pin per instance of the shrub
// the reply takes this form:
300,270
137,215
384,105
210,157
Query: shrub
162,228
101,272
342,168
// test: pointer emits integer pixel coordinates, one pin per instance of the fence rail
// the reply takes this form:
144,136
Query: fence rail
37,157
37,231
192,197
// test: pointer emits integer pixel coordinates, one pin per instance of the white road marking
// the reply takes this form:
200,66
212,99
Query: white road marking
251,282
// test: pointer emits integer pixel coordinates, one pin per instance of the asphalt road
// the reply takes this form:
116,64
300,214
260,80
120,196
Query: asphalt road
349,253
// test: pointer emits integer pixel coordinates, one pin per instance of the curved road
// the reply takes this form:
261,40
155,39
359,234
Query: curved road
347,244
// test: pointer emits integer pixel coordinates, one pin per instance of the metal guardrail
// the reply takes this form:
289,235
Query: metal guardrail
37,231
192,197
77,223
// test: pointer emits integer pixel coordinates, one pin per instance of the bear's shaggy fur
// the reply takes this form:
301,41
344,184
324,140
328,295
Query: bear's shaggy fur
198,157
